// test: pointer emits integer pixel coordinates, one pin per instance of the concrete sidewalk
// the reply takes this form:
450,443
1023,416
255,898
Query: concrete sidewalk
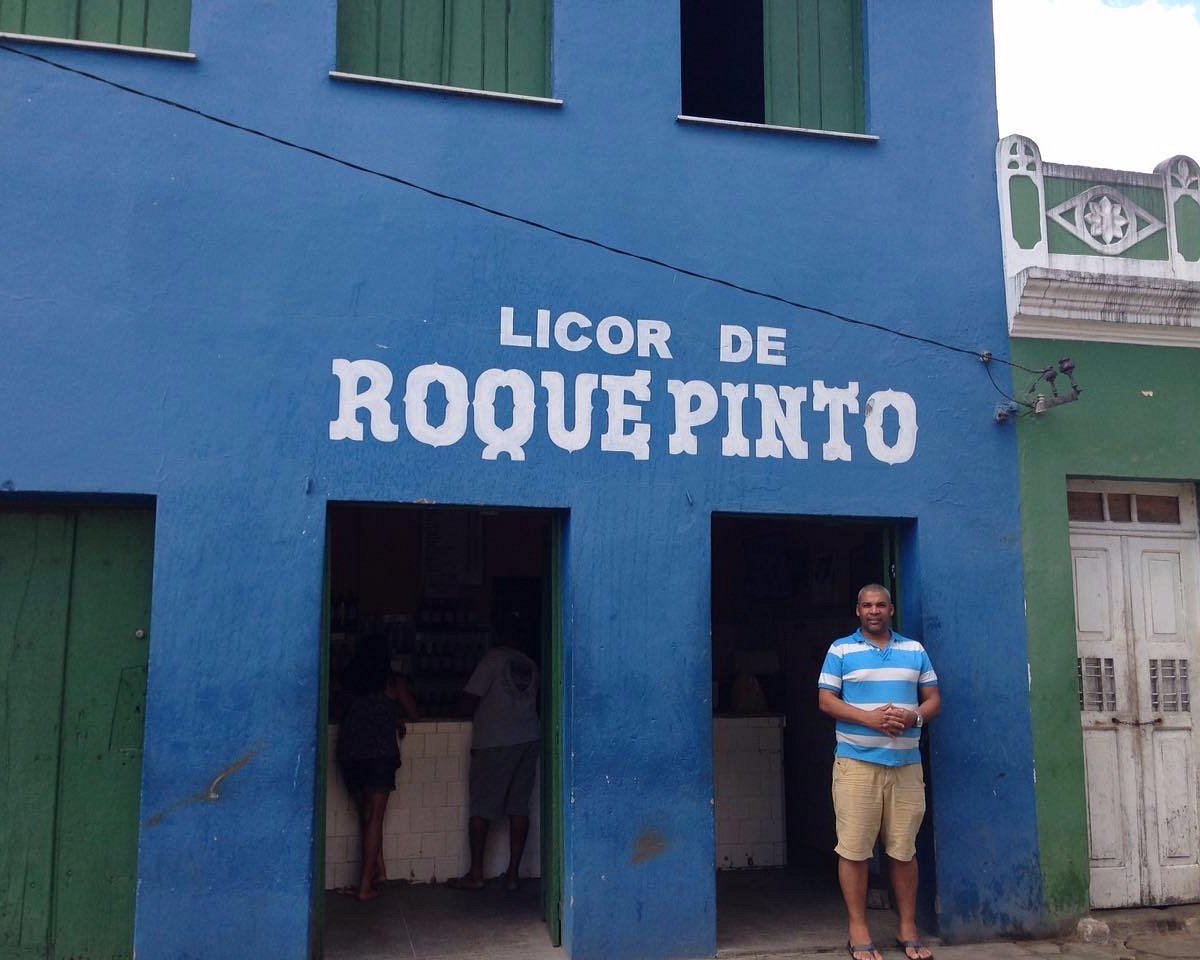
1170,933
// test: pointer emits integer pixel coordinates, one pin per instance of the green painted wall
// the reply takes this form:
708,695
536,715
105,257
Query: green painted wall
1112,431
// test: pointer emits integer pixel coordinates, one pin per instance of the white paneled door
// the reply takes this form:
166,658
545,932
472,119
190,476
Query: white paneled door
1137,619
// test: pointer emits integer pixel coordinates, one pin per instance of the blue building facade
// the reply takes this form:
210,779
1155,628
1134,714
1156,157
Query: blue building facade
246,332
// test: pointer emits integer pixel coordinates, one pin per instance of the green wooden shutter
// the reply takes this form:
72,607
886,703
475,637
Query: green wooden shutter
813,64
500,45
161,24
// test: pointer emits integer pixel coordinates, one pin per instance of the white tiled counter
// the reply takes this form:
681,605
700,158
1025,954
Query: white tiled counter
425,829
748,781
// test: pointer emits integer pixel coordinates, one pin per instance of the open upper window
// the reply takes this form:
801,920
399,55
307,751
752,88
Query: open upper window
790,63
150,24
497,45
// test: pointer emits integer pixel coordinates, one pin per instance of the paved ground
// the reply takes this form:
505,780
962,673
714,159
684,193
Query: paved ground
762,915
1171,933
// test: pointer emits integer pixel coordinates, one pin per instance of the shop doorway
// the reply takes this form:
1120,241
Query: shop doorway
783,588
427,592
75,583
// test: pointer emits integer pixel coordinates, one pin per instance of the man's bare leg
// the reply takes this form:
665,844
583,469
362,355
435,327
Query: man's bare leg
477,831
374,806
853,876
518,833
904,885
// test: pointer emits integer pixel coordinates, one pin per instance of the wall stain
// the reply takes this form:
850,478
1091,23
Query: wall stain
650,843
208,795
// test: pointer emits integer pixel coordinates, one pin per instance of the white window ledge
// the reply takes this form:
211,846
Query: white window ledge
441,88
776,128
95,45
1072,305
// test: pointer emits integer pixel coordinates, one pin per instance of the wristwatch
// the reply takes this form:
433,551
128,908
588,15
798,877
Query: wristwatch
920,719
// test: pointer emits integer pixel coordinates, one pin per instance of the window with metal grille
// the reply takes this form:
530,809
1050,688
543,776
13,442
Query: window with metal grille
154,24
1169,686
1097,683
497,45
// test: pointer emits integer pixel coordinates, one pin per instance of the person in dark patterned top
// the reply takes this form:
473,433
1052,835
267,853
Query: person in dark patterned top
368,753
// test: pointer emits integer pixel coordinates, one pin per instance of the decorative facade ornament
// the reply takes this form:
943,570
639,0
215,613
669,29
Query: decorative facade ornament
1105,219
1077,262
1023,155
1185,174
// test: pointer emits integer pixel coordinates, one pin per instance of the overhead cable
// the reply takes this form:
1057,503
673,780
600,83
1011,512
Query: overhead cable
984,356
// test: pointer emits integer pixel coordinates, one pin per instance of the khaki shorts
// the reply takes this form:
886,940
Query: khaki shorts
873,801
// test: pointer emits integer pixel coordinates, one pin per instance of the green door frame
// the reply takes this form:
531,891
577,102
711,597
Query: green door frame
316,922
552,738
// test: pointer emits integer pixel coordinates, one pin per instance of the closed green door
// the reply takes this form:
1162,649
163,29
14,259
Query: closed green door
74,634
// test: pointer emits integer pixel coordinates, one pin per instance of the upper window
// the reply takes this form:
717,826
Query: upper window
789,63
154,24
498,45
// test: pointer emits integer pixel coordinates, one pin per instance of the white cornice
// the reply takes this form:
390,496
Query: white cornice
1072,305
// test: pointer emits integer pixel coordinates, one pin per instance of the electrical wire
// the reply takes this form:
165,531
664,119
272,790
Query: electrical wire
983,356
1015,402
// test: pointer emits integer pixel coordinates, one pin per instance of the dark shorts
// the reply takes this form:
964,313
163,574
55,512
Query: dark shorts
501,780
377,775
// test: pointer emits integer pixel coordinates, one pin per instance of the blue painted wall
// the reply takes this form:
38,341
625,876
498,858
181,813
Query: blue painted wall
172,294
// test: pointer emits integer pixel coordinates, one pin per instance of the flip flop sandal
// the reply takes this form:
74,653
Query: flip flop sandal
855,948
916,945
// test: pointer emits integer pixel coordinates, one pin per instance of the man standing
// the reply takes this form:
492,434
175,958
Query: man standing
501,696
881,689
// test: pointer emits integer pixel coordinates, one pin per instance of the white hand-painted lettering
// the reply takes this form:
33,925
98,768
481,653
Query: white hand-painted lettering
416,408
734,443
614,334
653,334
508,439
695,405
578,436
771,346
777,421
737,344
621,412
837,400
618,343
906,437
374,400
507,337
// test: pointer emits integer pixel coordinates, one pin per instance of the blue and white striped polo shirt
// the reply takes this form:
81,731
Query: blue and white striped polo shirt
867,677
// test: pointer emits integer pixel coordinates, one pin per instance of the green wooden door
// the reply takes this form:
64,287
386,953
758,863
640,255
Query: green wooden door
74,625
552,741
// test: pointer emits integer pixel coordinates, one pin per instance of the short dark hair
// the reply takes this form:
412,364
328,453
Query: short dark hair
875,588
